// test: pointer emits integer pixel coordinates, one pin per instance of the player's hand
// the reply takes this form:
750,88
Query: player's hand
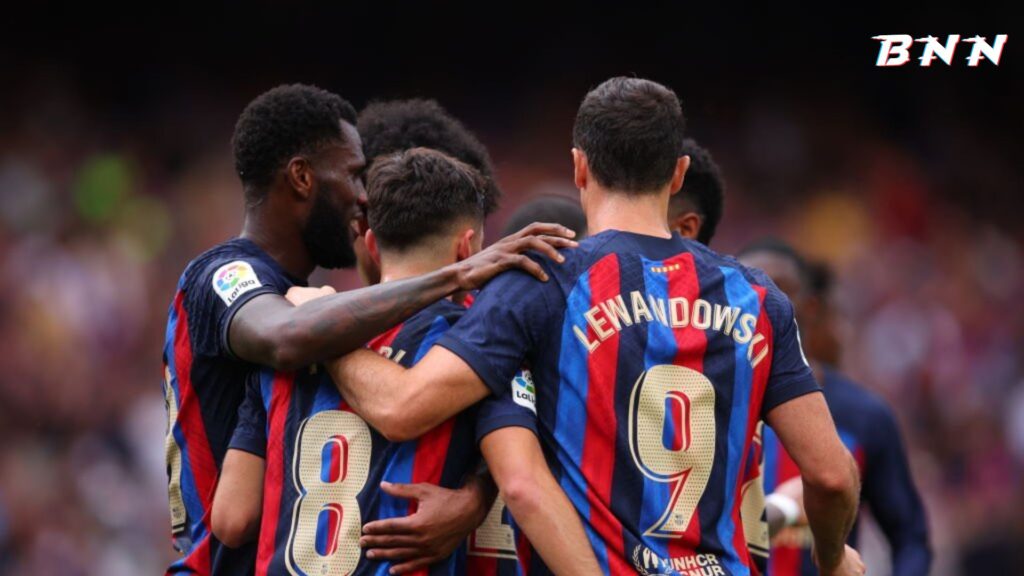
299,295
442,520
507,253
850,565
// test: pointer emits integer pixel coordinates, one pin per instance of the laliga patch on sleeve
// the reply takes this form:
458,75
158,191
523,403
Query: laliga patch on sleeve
232,280
523,391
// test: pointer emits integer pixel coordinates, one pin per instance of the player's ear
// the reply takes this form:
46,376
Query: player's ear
466,245
371,246
679,174
687,224
581,170
299,174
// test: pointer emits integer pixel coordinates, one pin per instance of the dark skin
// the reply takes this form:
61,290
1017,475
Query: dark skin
684,218
269,330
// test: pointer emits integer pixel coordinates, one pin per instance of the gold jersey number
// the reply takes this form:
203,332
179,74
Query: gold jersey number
331,464
681,456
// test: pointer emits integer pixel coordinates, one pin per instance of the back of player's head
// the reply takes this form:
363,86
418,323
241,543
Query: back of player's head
631,131
397,125
778,248
555,209
283,122
703,191
421,193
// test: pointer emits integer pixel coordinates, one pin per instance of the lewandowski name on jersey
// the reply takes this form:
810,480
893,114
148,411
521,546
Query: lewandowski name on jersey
614,314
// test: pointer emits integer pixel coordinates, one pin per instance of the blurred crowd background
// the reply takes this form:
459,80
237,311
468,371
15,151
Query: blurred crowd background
115,171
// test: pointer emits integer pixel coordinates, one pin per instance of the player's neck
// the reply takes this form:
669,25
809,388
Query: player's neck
647,214
408,265
285,246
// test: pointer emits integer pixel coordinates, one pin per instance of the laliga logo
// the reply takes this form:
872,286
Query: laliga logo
229,277
895,49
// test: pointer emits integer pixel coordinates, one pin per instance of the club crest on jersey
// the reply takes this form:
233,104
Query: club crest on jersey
234,279
523,391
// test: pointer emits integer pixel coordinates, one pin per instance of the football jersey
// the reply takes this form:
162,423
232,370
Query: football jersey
204,384
868,429
752,509
498,546
653,360
493,549
325,464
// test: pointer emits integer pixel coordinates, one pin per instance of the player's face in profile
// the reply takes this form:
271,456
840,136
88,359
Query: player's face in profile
338,183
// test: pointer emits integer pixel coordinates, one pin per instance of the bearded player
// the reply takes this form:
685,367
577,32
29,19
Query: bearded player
323,463
299,158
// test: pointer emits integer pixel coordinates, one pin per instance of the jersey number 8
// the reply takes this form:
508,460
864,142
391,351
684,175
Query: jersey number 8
332,462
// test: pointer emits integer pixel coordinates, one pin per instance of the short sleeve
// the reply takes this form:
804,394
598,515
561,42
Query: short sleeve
790,375
515,407
217,292
508,318
251,431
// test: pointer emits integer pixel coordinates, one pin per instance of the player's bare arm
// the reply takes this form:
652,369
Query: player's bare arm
442,521
537,502
402,403
830,479
238,502
271,331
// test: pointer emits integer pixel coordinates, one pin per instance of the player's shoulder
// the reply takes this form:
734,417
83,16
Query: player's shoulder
232,268
441,310
854,397
222,255
776,303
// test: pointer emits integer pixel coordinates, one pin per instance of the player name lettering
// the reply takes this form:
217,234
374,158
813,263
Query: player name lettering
895,49
615,314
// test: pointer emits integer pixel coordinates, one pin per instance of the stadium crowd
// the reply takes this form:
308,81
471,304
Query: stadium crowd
96,226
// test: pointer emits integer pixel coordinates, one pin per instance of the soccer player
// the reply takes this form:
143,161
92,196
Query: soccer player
653,358
393,126
866,425
696,210
396,125
550,208
426,211
299,158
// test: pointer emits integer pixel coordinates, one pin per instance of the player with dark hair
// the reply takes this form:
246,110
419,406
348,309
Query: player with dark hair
550,208
425,212
866,425
652,357
300,161
396,125
697,209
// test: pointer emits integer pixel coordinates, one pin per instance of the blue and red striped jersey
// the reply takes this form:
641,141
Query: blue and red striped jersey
494,548
653,360
325,464
204,384
868,428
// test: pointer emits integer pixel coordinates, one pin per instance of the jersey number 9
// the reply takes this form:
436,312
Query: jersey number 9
672,439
